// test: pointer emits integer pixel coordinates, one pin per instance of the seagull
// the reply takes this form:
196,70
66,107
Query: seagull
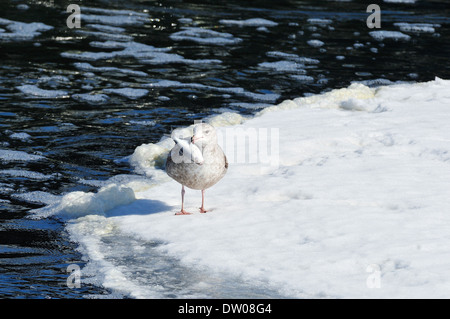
198,163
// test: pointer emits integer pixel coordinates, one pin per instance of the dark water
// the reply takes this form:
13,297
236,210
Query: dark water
81,140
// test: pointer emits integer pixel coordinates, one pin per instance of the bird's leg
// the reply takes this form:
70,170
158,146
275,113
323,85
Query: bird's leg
182,211
202,209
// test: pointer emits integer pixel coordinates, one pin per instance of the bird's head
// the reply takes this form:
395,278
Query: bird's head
204,134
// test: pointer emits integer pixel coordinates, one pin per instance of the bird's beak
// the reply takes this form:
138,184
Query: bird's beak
194,138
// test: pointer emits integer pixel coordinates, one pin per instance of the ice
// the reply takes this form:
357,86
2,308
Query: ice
92,98
284,66
265,97
54,80
400,1
21,31
18,156
145,53
77,204
147,157
375,82
315,43
302,78
105,28
23,6
106,35
34,90
114,12
394,35
320,22
143,122
361,184
226,119
249,105
129,49
292,57
165,58
116,18
21,136
185,20
417,27
255,22
37,197
26,174
204,36
128,92
89,67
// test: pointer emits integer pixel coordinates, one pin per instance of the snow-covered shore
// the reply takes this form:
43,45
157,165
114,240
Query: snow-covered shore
358,191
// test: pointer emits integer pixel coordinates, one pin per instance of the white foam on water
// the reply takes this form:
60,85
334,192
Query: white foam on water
284,66
37,197
117,18
400,1
146,54
105,28
143,122
393,35
34,91
23,6
105,35
255,22
165,58
204,36
315,43
320,22
88,67
92,98
302,78
417,27
18,156
264,97
129,49
292,57
21,31
21,136
129,93
26,174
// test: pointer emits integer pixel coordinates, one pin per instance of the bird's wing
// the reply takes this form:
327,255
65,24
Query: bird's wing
190,152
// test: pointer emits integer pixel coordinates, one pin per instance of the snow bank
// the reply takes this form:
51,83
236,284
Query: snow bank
77,204
359,192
